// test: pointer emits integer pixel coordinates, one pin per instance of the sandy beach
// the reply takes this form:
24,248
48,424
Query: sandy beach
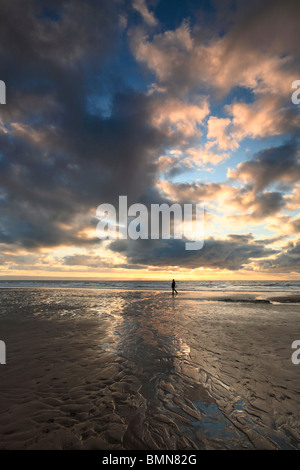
108,369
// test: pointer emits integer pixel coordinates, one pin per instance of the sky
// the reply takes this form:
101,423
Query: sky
163,101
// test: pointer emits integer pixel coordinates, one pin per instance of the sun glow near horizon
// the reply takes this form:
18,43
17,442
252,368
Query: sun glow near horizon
159,113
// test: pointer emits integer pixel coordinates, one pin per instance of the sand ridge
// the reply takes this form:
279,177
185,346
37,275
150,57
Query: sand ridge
142,370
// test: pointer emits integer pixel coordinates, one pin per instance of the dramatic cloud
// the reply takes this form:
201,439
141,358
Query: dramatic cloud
267,116
288,261
59,161
117,98
195,193
218,133
172,115
231,254
275,164
182,59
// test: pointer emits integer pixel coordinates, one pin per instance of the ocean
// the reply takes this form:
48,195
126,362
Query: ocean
292,287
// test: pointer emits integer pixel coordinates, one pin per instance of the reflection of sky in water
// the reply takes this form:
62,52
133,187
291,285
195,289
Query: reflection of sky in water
148,335
214,425
151,336
245,417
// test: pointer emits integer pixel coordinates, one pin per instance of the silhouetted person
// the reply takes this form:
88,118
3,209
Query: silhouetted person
173,287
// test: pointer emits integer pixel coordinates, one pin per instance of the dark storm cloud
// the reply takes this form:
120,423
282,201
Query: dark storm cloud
266,205
271,165
58,32
241,238
59,161
231,254
287,261
269,241
46,183
60,156
255,23
170,167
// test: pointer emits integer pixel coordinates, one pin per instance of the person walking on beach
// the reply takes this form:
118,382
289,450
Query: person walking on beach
173,287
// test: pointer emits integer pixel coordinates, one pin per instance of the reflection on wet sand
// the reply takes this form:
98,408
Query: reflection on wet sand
177,411
142,370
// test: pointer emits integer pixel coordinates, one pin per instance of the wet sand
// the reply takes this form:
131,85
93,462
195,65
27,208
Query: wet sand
101,369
